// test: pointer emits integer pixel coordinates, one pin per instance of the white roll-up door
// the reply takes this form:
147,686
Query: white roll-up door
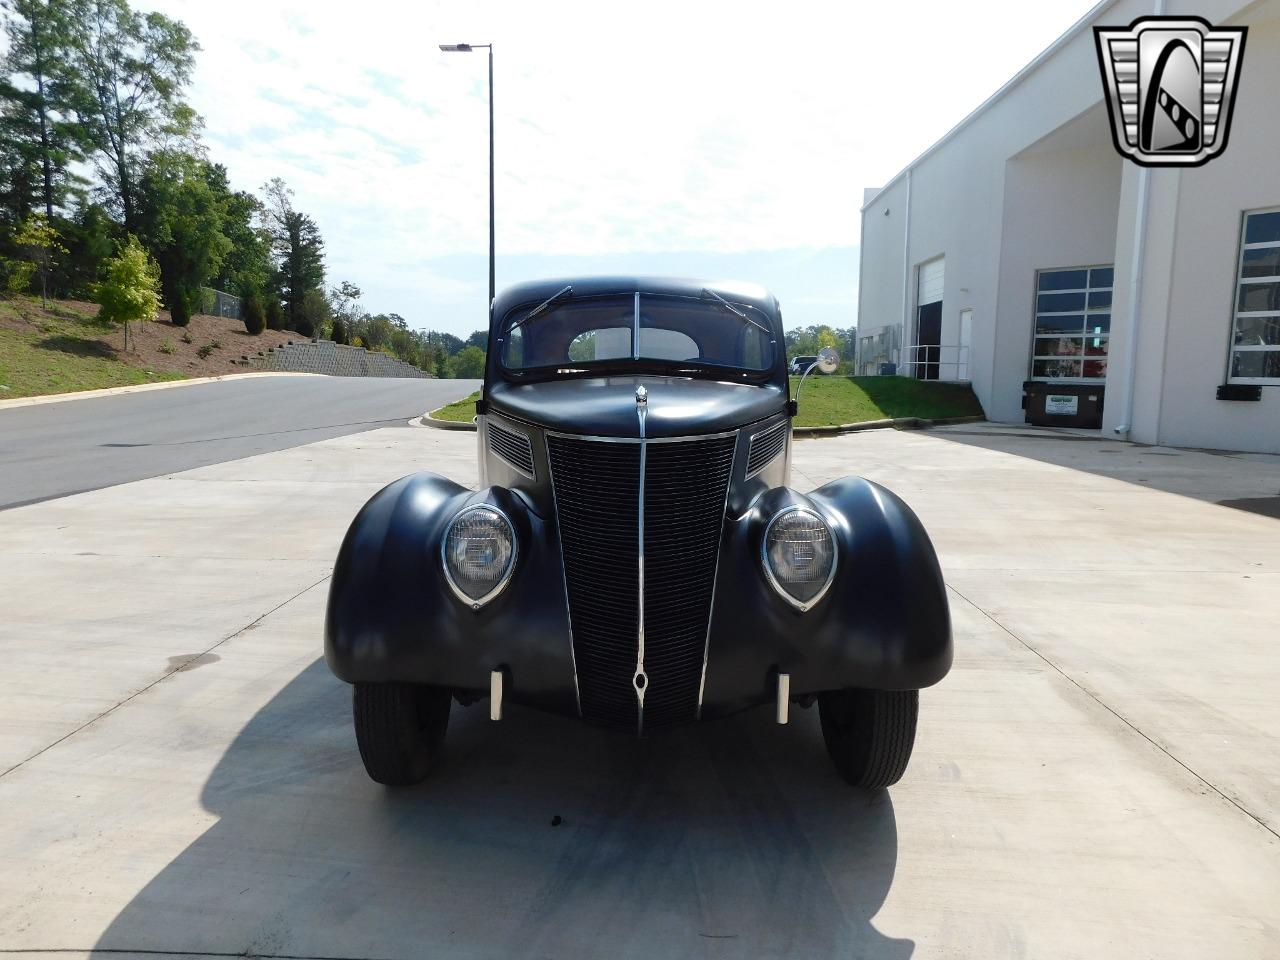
930,285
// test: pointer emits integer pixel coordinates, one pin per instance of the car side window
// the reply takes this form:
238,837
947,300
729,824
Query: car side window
606,343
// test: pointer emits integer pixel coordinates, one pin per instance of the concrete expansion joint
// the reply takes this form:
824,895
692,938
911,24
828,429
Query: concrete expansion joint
173,668
1122,718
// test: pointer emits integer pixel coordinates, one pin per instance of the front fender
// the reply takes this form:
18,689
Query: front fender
883,624
392,616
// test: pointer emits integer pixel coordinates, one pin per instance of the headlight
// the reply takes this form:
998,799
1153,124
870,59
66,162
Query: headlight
479,552
799,555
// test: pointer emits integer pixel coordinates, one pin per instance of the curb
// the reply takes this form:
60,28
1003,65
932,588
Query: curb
898,423
429,421
141,387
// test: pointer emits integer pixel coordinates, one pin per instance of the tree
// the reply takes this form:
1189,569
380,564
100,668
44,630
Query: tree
479,338
88,235
133,68
298,249
39,89
247,268
313,314
344,306
181,218
469,363
131,290
41,244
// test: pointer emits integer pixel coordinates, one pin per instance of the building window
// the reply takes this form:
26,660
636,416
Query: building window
1073,324
1255,340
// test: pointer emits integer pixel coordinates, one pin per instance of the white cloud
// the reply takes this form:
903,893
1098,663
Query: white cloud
711,127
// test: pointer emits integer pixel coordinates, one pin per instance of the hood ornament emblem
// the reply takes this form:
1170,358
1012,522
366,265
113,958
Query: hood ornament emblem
642,407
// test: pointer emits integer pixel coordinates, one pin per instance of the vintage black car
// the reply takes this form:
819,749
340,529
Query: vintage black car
634,555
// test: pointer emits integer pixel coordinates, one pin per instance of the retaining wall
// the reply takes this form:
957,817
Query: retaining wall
332,359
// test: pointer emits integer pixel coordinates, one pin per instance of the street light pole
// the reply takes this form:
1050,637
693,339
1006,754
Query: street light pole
467,48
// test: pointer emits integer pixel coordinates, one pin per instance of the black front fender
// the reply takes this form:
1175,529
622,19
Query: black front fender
883,624
393,617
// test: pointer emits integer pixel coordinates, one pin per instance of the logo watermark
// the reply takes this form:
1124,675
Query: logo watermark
1170,85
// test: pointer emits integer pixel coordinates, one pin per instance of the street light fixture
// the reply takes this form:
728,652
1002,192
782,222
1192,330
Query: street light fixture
467,48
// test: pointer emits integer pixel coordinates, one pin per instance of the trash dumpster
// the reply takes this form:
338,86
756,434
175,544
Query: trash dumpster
1063,404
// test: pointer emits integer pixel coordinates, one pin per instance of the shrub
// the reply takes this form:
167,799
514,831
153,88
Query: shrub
186,337
338,332
255,316
167,348
204,351
275,315
184,304
20,274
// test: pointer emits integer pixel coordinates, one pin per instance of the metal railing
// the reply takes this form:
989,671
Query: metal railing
927,361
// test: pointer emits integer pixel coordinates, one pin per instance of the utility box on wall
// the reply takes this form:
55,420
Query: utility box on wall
1063,404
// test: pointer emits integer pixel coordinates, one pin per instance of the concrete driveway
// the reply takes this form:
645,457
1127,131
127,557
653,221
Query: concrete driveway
1099,776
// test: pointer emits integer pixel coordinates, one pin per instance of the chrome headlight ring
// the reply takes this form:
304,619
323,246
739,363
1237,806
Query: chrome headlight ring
799,555
478,553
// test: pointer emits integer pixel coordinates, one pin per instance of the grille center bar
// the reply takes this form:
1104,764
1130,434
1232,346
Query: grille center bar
640,681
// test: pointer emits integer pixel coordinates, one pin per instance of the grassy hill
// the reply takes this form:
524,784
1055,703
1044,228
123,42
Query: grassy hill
63,348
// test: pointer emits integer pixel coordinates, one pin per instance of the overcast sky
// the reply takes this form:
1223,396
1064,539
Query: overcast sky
716,140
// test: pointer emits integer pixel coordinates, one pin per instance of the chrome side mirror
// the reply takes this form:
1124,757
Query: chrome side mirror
828,361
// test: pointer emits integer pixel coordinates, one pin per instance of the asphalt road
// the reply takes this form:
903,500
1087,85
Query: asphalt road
55,449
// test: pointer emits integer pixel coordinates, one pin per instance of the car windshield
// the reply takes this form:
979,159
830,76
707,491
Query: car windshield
628,329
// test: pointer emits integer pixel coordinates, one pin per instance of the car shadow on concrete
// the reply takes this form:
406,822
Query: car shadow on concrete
536,837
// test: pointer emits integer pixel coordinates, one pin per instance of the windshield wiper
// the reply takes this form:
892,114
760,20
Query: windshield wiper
735,311
543,307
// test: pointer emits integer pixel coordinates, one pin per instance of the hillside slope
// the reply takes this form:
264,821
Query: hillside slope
63,348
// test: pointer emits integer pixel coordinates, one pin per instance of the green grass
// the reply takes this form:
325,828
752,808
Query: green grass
463,410
64,354
831,401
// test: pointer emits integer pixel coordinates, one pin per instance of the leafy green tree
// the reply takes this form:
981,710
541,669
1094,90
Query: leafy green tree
131,289
469,363
479,338
38,88
247,268
298,249
440,366
132,69
40,244
181,217
89,236
313,314
344,306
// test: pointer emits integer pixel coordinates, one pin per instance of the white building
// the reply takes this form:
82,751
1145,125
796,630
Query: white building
1024,221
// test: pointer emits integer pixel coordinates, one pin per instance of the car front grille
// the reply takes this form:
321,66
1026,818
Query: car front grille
597,490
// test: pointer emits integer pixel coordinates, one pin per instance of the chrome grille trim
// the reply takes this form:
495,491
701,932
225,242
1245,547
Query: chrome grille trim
765,448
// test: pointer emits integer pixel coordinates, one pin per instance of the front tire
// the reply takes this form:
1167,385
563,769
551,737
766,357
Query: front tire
869,733
400,729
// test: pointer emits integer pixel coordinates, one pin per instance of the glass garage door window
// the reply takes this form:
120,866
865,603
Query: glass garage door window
1073,324
1255,340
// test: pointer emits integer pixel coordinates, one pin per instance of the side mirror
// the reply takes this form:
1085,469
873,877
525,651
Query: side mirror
828,361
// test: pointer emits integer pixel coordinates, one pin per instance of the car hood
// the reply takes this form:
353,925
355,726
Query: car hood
606,406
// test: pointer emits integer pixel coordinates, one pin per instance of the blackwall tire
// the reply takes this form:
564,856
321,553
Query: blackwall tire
400,729
869,733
